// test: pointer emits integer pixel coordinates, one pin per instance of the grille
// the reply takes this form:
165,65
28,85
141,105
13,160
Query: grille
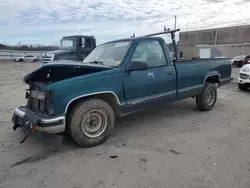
243,76
46,58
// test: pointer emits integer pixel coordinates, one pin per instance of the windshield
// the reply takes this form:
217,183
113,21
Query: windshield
240,57
68,43
110,54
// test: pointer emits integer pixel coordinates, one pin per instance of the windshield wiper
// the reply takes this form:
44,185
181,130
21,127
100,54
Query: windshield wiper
96,62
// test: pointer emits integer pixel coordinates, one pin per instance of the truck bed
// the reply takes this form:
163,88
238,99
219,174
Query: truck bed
191,74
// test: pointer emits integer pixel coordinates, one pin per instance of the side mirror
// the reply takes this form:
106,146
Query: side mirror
137,65
174,59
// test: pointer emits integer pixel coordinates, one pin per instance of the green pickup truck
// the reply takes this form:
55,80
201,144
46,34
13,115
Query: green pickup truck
116,79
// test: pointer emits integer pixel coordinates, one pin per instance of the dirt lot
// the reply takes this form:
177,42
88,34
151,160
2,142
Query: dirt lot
175,146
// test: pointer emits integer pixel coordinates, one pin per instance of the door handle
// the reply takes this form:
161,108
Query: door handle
168,73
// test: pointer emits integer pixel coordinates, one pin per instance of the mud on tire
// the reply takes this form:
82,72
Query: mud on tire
91,122
207,99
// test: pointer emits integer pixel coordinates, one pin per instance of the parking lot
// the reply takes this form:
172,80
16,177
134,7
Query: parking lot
173,146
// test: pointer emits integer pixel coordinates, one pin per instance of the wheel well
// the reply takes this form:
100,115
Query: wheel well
107,97
213,79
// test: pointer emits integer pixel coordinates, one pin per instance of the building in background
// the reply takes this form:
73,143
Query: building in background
228,42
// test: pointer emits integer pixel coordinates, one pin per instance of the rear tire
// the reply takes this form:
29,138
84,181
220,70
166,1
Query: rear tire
243,87
207,99
91,122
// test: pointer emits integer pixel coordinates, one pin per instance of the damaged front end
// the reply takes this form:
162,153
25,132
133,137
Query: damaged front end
39,113
39,101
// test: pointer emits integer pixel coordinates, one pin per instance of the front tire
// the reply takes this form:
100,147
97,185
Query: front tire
91,122
207,99
243,87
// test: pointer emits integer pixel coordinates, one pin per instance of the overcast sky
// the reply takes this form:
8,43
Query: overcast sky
46,21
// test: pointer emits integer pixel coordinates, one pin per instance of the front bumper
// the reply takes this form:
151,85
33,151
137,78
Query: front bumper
24,117
243,81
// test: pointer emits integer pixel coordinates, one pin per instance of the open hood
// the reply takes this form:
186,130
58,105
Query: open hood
61,70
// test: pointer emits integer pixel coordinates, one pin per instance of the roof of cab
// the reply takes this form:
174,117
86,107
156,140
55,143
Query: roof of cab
134,39
86,36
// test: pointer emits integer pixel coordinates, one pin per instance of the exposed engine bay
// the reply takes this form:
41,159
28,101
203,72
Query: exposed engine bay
42,101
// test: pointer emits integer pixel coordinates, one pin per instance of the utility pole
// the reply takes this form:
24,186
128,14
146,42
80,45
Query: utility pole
175,19
216,36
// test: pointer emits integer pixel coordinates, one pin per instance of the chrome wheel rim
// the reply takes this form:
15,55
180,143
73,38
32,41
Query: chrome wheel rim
210,97
94,123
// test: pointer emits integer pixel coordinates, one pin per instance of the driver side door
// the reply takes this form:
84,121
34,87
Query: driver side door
157,83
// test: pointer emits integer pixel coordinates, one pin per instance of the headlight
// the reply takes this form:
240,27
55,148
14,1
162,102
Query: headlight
245,69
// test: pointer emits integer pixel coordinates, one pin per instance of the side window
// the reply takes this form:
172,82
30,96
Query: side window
83,42
87,43
151,53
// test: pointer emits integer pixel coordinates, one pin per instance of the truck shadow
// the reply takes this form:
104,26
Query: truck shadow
175,110
50,145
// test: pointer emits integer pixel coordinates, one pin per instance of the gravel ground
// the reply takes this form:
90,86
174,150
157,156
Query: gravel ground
175,146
